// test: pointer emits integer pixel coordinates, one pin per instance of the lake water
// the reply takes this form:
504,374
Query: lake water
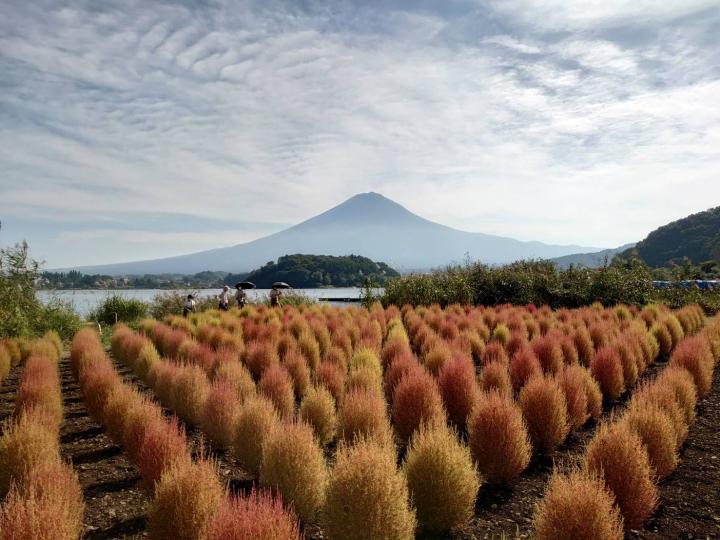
84,301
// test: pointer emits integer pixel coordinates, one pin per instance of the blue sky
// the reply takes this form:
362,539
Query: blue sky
140,129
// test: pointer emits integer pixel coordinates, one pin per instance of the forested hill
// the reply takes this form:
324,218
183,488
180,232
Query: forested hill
696,237
312,271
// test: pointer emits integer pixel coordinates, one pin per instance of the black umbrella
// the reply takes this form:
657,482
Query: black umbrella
280,285
245,285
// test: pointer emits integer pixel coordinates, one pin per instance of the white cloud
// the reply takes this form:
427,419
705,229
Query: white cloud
236,111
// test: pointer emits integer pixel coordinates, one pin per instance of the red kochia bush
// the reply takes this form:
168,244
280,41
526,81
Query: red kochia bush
47,506
577,506
260,356
694,354
330,376
394,347
523,365
416,401
164,445
629,362
40,388
459,389
543,404
398,367
495,377
583,345
495,352
662,395
683,384
436,358
653,426
572,383
299,371
498,439
277,386
259,516
607,370
96,381
549,352
618,457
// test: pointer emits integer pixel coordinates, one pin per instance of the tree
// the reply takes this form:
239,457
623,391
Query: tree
18,273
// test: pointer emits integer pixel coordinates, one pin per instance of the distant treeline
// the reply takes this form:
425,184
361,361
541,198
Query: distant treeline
300,271
314,271
627,281
77,280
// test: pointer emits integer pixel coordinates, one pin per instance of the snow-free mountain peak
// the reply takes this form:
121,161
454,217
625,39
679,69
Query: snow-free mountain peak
366,224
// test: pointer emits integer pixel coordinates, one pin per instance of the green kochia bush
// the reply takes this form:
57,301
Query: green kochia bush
116,308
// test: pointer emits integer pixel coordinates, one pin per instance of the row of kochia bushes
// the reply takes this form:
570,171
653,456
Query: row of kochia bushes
188,499
43,498
616,490
15,351
276,386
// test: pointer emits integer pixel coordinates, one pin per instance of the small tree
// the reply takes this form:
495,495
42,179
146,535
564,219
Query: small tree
20,307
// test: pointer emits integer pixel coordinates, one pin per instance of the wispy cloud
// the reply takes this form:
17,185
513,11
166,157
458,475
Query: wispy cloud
545,121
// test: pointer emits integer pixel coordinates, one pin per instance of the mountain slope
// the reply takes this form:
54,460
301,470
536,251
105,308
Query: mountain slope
696,237
367,224
590,260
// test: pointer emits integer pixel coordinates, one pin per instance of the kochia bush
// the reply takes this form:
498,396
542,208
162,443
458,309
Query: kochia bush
458,389
523,366
367,498
543,405
364,414
277,386
185,501
318,410
618,457
607,370
258,516
293,464
653,426
416,401
694,354
47,506
219,415
498,438
577,506
442,479
257,419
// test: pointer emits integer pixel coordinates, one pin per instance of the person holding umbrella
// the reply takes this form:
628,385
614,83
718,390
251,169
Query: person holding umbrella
276,292
241,295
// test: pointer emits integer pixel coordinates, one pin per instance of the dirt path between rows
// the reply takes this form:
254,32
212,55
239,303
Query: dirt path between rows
115,502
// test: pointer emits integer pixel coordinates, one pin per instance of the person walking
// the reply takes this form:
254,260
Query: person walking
241,297
275,295
224,298
189,305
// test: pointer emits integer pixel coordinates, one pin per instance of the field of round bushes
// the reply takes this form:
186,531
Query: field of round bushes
384,423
